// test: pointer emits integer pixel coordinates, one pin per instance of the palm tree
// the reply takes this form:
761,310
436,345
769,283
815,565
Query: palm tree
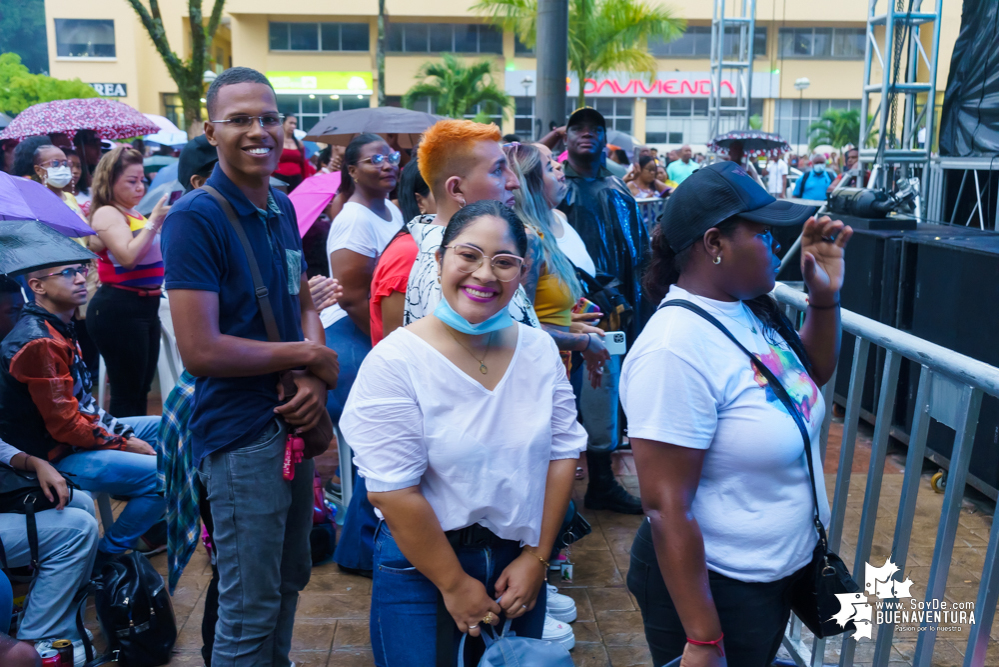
836,127
456,88
604,35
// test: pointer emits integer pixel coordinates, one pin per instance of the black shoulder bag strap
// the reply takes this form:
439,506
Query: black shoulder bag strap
263,296
781,393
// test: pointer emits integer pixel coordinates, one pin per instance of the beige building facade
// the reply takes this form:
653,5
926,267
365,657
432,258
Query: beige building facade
319,63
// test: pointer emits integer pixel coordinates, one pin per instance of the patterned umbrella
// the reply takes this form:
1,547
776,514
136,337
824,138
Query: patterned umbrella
754,143
108,118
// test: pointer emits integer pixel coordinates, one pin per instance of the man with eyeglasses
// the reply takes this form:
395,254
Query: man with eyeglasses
239,423
47,410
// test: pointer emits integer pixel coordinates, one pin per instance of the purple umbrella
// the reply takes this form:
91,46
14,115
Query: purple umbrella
23,199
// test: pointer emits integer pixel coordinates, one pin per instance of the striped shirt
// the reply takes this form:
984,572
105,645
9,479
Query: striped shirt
148,270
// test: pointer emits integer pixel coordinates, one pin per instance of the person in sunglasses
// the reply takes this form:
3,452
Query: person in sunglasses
47,410
464,426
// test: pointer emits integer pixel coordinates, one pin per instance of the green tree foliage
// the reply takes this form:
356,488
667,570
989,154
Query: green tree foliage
19,88
22,31
186,73
836,127
604,35
455,88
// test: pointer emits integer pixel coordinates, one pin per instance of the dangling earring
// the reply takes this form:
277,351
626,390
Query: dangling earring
717,259
438,279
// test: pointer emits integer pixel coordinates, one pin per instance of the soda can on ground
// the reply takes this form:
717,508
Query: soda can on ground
50,657
65,649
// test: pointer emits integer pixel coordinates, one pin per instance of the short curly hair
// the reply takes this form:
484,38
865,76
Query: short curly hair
445,148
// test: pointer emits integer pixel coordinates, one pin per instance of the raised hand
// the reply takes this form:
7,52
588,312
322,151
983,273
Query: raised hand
823,244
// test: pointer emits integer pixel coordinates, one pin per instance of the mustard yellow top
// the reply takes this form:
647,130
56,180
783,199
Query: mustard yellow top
553,302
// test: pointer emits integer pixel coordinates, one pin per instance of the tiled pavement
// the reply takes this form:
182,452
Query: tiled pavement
332,628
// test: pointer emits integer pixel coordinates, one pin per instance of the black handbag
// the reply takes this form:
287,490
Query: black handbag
20,493
813,596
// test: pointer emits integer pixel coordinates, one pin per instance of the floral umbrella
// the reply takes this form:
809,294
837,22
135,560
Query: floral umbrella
107,118
754,143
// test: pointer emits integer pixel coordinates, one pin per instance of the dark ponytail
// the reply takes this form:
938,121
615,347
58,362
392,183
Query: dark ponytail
664,266
350,158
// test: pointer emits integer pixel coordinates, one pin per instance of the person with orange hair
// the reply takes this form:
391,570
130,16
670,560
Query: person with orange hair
462,162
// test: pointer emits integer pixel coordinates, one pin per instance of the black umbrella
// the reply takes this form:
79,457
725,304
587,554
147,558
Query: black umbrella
754,143
339,127
28,245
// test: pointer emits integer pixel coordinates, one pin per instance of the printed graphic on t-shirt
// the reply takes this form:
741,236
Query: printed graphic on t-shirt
798,383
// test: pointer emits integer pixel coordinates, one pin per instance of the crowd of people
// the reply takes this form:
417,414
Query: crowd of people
455,335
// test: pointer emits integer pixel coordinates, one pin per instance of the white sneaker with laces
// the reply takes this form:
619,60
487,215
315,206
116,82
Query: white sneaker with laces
560,607
557,631
79,653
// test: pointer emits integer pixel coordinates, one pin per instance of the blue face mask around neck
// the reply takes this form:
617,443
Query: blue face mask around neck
446,314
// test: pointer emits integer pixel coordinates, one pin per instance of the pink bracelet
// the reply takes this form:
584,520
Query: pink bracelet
716,643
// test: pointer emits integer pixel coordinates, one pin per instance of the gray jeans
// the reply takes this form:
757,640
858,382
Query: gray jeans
67,546
262,526
599,408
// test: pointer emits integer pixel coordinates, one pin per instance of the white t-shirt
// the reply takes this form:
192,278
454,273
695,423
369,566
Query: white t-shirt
776,171
572,245
423,292
413,418
685,383
360,229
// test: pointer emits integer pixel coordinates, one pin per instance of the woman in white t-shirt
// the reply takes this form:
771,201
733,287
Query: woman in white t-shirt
721,462
358,235
464,427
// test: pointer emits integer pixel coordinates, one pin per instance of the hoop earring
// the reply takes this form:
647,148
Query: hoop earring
717,259
461,203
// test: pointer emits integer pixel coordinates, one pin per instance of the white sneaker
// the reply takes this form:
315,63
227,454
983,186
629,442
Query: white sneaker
560,607
556,631
79,653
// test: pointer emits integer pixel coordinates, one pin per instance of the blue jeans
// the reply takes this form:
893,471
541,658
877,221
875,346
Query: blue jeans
403,620
261,535
123,474
351,346
354,547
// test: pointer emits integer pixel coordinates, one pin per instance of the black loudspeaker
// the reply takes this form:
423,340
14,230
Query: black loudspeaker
955,297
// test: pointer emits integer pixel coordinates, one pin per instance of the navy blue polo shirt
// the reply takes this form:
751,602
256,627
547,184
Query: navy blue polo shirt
202,252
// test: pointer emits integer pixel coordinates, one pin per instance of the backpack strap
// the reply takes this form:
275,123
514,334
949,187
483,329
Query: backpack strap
263,295
781,394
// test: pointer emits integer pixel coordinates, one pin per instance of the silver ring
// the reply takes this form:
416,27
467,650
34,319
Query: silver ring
523,606
472,627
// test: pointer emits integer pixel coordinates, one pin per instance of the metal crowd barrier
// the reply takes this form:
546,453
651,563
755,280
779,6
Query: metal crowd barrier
950,391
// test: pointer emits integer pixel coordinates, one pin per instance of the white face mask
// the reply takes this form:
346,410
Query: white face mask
58,177
818,168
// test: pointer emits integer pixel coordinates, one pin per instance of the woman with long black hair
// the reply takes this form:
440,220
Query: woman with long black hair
721,462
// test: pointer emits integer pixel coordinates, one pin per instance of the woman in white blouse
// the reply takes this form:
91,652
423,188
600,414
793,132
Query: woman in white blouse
464,427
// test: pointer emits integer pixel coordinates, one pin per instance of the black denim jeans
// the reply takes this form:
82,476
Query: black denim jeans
126,328
753,615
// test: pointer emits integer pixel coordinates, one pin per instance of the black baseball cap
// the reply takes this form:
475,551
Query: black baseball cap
714,194
586,114
194,157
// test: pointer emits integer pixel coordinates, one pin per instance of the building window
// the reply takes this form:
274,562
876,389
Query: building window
319,36
173,109
310,109
842,43
679,120
617,111
520,49
696,43
84,38
523,118
444,38
794,116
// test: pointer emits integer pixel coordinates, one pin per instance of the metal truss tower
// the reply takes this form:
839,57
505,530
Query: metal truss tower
897,33
733,26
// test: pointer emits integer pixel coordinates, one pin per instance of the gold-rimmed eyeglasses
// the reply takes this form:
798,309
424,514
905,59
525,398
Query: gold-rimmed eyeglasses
468,259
